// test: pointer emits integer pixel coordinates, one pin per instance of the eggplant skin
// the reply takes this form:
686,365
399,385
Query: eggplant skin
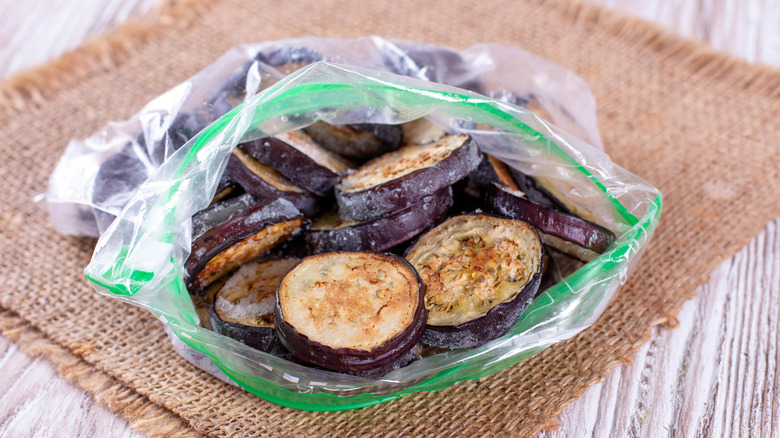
590,237
492,170
294,164
239,230
482,330
262,189
536,193
401,192
359,141
351,360
385,232
260,338
482,272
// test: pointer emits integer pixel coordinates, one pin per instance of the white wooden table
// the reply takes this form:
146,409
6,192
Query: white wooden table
717,374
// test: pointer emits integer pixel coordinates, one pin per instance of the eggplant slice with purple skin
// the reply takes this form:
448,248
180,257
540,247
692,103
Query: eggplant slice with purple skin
398,179
301,160
329,233
263,182
481,272
491,170
220,212
358,141
222,249
565,232
243,309
536,193
350,311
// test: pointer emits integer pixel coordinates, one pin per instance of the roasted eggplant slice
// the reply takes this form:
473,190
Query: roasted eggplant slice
421,131
263,182
289,59
397,179
536,193
244,307
220,212
491,170
350,311
481,273
304,162
329,233
565,232
223,248
360,141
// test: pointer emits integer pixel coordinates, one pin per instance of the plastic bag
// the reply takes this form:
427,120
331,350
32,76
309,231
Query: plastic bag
139,257
96,177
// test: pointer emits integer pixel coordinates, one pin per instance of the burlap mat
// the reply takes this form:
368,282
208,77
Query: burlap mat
701,126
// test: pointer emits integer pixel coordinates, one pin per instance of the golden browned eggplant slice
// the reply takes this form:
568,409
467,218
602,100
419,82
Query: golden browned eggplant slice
481,273
398,179
220,250
350,311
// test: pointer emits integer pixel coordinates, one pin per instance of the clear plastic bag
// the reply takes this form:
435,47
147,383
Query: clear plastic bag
97,176
139,257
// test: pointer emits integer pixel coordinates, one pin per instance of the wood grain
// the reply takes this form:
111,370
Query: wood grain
34,31
35,401
749,29
715,375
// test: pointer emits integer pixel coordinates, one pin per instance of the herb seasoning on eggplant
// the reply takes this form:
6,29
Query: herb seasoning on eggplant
481,273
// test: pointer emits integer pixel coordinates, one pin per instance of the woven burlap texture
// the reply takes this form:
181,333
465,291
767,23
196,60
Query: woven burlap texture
701,126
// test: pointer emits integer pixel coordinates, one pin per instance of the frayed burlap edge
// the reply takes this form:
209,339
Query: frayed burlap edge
31,88
108,51
142,415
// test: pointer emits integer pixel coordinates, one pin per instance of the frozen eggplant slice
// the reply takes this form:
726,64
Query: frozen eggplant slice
491,170
536,193
397,179
297,157
117,181
329,233
350,311
565,232
289,59
220,212
244,307
421,131
358,141
220,250
481,273
263,182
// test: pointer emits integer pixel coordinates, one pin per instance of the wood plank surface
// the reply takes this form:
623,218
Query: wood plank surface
717,374
35,401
